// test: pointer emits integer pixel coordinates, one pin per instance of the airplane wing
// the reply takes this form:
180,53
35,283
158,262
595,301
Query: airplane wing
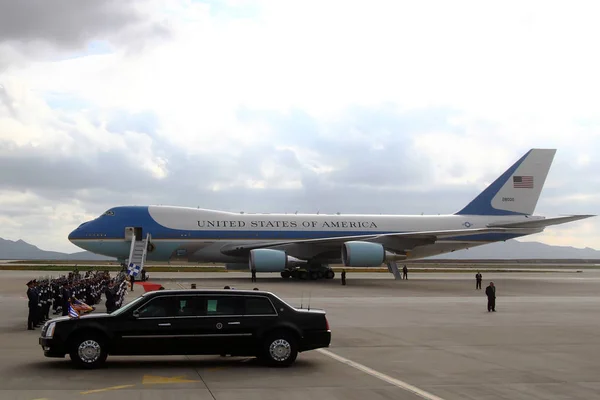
393,241
540,223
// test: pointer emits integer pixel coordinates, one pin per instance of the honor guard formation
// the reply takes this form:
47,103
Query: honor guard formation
81,292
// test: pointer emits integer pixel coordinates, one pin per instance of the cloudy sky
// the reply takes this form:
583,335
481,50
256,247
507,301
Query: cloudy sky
282,106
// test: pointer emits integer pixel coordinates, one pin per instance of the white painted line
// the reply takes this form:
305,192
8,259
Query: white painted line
383,377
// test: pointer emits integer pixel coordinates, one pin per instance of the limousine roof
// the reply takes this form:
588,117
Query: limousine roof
207,291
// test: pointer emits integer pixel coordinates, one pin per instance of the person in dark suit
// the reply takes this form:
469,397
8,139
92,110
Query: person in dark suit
66,297
253,271
490,292
32,298
478,279
110,294
343,277
404,272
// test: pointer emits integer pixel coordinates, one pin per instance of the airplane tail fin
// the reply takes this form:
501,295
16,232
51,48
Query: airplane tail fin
517,190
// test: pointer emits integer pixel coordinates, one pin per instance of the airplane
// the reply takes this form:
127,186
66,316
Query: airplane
304,245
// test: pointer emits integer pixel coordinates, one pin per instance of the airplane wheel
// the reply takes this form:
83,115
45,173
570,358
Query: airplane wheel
314,275
285,274
330,274
303,275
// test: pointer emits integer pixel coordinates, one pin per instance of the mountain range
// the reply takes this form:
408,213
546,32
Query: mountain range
21,250
511,249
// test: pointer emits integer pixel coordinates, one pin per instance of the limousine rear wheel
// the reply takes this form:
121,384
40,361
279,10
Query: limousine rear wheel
88,351
280,349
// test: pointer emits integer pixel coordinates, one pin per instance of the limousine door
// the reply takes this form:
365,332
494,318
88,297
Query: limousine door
150,330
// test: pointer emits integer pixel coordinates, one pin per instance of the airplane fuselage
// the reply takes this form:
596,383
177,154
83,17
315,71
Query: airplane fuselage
198,235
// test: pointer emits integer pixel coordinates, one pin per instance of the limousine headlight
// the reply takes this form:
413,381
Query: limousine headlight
50,330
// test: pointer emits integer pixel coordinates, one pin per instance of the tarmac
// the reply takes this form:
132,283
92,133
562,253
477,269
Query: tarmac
428,337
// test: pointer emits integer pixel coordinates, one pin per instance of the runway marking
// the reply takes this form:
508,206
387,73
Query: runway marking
107,389
396,382
153,380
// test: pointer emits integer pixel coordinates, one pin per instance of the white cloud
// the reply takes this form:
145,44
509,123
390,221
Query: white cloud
512,76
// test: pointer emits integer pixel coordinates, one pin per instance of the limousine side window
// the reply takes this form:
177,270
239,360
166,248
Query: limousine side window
179,306
224,305
157,308
190,306
259,306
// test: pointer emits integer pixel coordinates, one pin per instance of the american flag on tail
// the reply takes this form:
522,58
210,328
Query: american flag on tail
525,182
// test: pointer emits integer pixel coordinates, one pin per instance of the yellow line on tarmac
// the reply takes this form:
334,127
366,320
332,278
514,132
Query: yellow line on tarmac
107,389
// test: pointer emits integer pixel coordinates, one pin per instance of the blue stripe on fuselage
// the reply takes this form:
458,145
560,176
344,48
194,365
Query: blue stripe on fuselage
113,227
482,204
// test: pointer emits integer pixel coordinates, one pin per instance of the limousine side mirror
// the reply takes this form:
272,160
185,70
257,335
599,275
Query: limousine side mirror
136,314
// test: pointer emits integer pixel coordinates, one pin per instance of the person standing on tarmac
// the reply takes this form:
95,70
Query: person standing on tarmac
478,278
253,271
344,277
404,272
32,303
110,294
490,292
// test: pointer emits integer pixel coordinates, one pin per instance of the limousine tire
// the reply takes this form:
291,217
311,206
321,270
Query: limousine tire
280,349
88,350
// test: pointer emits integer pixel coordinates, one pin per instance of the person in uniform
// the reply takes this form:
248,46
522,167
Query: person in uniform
404,272
344,277
478,279
253,271
32,303
490,292
66,296
110,294
37,314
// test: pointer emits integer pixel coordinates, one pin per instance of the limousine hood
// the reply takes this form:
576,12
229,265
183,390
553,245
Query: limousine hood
87,316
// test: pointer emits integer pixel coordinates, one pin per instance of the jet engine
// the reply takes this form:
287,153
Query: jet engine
366,254
269,260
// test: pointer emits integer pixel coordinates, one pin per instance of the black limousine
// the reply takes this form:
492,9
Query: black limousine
249,323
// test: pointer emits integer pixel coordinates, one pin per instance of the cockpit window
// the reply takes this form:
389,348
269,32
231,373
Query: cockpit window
109,212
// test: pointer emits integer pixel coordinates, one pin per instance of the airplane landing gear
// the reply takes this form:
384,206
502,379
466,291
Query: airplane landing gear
311,272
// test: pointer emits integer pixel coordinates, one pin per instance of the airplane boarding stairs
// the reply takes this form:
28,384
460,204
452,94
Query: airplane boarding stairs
393,268
137,254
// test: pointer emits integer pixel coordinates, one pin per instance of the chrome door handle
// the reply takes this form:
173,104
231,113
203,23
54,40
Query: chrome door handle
233,323
167,324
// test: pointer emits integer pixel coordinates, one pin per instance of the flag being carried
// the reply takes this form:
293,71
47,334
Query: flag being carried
80,307
133,269
72,312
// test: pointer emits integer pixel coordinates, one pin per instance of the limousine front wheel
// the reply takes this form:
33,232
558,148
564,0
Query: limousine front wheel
280,349
88,351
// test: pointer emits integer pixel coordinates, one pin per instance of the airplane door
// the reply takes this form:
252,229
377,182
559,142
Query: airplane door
133,230
128,233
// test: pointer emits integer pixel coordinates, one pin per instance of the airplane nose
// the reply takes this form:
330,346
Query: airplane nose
76,233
